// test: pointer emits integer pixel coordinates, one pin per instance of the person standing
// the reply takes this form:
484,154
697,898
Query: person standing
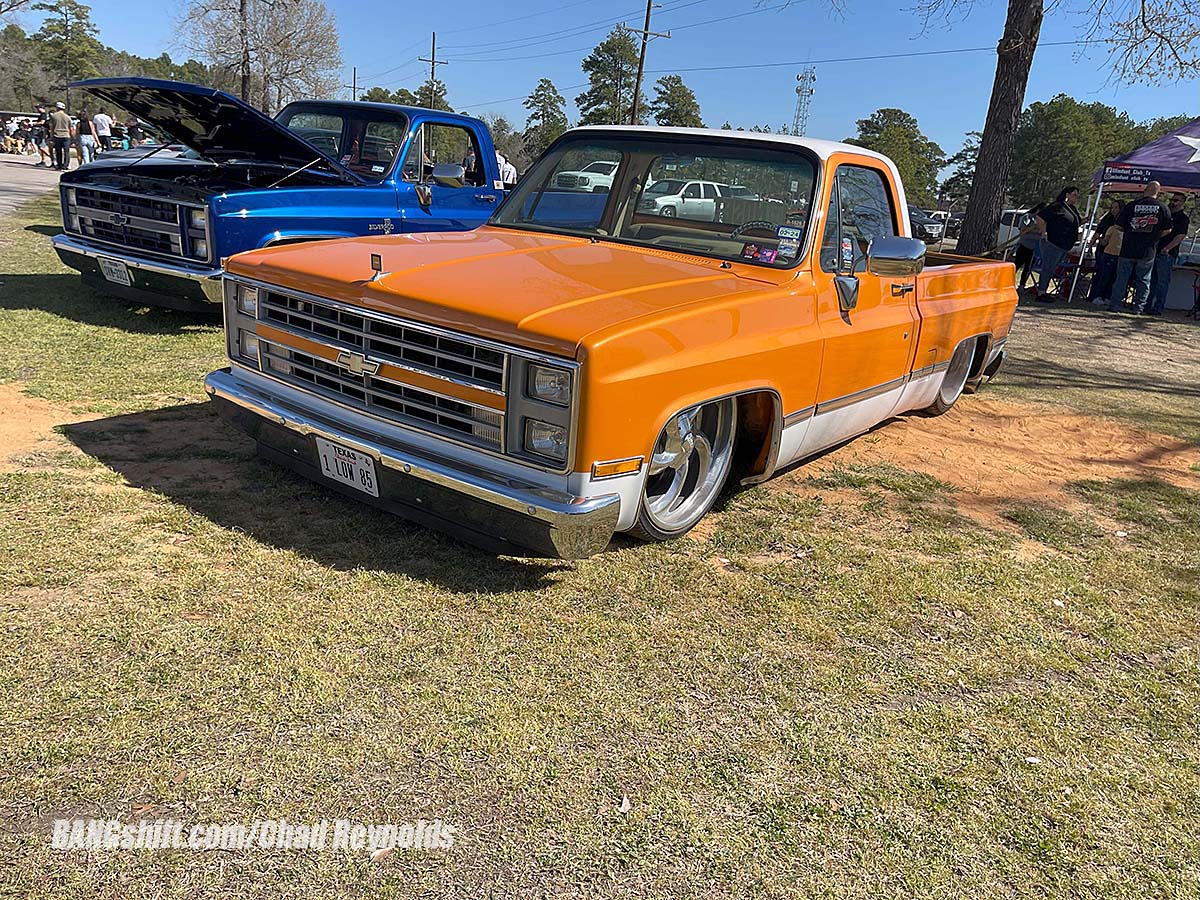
1058,224
1030,234
1143,223
103,123
86,129
1168,254
1106,265
60,132
41,136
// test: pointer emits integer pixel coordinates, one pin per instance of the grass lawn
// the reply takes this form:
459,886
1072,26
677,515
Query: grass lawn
843,685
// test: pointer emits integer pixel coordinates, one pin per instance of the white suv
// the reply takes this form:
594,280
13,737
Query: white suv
685,199
596,177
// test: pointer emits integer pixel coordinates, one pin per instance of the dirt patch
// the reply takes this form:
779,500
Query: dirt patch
999,453
27,426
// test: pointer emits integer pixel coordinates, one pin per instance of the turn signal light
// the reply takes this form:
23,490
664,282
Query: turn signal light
616,467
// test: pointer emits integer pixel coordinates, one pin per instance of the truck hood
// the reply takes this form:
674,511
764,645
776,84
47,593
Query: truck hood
542,292
215,124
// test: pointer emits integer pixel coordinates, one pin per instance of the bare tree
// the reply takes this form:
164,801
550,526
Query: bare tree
278,49
1148,40
7,6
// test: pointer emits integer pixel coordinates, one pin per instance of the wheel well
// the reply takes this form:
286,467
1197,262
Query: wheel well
759,424
980,358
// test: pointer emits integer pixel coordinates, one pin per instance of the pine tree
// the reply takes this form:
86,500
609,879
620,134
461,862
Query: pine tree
612,69
675,104
547,117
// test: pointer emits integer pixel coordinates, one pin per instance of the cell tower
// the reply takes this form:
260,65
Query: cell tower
804,94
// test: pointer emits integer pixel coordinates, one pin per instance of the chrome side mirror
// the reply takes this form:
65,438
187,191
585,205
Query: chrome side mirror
450,175
896,257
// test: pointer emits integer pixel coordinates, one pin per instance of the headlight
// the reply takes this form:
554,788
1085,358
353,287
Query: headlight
198,218
584,180
550,385
71,196
546,440
247,300
248,344
200,249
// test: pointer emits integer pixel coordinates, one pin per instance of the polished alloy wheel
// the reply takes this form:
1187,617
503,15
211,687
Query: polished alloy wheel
688,467
956,375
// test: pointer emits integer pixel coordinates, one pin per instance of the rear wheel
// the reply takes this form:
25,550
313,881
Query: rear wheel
954,381
691,460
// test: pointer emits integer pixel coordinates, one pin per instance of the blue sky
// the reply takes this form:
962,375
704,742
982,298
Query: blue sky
488,68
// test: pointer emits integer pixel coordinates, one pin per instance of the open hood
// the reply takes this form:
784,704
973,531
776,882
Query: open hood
216,125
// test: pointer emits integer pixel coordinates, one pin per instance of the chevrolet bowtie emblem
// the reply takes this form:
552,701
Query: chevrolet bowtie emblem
357,364
119,220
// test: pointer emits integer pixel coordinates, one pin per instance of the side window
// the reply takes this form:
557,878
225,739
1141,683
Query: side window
436,143
860,210
692,192
710,191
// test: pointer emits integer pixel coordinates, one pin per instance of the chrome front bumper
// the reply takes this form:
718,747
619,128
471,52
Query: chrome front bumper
483,508
207,278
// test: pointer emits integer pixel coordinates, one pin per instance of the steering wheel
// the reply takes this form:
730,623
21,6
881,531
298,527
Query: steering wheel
746,226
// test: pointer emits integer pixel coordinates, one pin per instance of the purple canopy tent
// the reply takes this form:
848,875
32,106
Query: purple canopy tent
1173,160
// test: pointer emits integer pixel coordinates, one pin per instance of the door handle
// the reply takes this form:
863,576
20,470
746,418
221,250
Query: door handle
486,198
899,290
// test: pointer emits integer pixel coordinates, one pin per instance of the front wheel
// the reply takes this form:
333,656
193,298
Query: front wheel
669,212
691,460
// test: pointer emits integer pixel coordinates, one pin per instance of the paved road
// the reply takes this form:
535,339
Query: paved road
21,180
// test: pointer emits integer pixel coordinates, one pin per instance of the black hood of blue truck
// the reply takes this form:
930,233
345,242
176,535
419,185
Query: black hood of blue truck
218,126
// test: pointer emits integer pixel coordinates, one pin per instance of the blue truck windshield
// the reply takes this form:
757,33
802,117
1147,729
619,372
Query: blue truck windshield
362,139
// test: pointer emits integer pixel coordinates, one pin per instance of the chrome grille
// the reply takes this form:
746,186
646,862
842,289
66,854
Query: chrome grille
385,398
388,340
145,224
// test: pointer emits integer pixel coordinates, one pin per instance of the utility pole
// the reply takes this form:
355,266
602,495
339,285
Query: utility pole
354,82
646,34
434,62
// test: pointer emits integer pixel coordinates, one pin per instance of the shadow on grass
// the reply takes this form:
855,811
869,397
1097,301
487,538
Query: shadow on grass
48,230
67,296
192,457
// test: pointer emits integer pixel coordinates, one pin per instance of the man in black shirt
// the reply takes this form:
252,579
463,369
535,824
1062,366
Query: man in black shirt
1168,253
1143,222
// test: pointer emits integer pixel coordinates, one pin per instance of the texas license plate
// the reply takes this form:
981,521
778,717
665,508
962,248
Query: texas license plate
347,466
114,270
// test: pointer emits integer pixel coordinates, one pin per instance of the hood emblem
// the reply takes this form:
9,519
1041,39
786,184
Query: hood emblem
357,364
119,220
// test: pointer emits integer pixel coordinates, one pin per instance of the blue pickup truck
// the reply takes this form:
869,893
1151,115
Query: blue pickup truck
154,229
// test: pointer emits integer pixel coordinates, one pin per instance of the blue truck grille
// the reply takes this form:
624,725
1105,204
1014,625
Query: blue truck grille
147,225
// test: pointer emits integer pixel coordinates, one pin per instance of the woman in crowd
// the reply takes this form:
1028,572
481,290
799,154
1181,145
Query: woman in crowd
1027,244
86,130
1108,248
1059,225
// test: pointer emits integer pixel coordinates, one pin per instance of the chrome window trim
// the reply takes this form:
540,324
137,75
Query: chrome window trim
563,362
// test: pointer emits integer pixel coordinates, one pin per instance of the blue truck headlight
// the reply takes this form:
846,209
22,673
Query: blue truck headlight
546,440
550,385
200,249
247,300
198,218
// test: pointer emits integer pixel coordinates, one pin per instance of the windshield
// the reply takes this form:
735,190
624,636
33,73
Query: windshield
672,193
602,168
363,139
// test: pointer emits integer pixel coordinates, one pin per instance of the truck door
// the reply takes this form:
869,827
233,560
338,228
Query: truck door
869,346
448,209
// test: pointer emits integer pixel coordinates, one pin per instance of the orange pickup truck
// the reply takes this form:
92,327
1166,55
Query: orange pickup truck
595,361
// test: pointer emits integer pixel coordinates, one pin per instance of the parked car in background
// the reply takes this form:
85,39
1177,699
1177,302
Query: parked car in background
592,363
153,228
596,177
924,226
1010,225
